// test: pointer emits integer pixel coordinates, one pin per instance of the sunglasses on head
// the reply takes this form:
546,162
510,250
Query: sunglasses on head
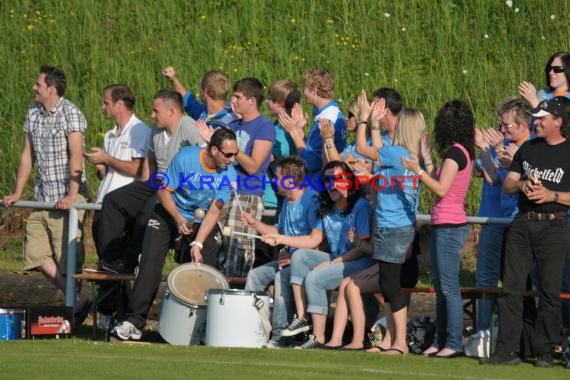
556,69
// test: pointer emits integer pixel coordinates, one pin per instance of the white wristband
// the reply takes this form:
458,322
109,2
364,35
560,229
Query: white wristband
419,172
197,243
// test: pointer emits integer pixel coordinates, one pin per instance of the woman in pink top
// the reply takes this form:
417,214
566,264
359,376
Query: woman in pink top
454,136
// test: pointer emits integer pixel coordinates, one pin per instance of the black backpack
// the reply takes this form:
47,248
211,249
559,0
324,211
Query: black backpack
420,334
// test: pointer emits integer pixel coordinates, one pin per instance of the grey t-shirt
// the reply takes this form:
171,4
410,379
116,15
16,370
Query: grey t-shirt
165,148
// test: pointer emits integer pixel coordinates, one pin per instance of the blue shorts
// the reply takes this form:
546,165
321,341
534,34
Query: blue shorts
391,244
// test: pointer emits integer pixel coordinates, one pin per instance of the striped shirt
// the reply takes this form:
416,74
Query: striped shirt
48,133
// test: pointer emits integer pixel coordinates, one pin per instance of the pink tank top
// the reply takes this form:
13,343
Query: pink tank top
451,208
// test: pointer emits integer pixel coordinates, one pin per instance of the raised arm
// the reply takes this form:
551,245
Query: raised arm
170,74
329,148
489,170
528,92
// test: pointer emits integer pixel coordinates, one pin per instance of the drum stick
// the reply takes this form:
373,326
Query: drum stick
237,198
227,232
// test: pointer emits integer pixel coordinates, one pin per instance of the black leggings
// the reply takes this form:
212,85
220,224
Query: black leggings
389,280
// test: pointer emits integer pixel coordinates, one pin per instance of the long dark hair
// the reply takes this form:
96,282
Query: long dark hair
455,123
326,204
565,58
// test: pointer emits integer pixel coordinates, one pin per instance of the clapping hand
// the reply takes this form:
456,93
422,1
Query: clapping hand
204,130
528,92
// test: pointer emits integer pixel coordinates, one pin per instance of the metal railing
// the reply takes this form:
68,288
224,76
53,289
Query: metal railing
71,238
72,233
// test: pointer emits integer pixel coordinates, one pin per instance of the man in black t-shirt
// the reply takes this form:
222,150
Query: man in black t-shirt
540,174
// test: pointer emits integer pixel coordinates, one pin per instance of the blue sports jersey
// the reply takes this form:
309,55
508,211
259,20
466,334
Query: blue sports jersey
398,194
336,226
193,185
298,218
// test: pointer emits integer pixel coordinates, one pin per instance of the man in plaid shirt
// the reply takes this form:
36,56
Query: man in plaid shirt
54,133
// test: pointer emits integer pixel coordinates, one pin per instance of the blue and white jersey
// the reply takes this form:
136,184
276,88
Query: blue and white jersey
398,189
312,154
193,185
336,226
197,110
299,217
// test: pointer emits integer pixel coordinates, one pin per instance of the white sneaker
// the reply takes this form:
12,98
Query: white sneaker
277,343
126,331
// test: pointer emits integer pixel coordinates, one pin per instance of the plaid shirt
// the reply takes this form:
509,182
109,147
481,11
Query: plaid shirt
48,134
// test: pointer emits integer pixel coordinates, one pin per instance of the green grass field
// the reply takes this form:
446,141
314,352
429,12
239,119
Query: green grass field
83,359
431,51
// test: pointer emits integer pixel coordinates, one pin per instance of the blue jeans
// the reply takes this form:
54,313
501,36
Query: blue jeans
446,246
318,281
489,251
260,278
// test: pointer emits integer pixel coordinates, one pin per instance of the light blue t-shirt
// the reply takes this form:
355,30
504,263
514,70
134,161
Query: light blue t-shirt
299,217
335,226
398,194
193,185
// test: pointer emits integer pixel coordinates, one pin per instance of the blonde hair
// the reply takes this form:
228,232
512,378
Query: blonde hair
353,108
321,80
280,89
409,129
216,84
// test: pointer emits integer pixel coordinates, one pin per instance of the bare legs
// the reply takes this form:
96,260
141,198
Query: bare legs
52,273
300,300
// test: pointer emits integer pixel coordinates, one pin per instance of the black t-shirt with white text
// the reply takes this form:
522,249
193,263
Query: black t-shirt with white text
548,163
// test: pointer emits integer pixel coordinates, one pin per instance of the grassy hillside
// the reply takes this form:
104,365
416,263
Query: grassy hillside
431,51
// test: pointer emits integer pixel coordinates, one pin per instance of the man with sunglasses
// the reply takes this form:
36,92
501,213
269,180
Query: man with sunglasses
197,178
538,234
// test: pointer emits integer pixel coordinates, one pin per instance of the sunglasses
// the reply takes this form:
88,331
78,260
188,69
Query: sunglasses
556,69
228,155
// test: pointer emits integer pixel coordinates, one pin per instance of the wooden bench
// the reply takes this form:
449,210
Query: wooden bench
115,282
236,281
472,294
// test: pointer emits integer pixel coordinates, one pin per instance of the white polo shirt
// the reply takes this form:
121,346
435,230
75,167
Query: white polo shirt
131,144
